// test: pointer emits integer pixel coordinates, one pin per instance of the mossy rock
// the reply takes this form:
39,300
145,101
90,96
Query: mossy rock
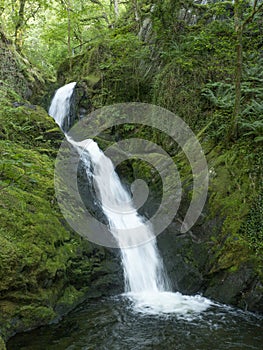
235,190
28,124
43,274
70,298
18,74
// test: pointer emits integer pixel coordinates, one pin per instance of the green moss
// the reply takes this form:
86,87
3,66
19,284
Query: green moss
28,125
17,73
233,269
32,315
233,195
70,298
252,230
112,70
176,85
41,260
17,317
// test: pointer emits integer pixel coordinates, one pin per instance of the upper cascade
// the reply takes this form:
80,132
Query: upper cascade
61,105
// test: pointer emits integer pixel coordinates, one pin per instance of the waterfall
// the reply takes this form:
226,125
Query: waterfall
146,283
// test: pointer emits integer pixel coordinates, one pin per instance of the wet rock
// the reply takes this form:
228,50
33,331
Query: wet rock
178,254
19,104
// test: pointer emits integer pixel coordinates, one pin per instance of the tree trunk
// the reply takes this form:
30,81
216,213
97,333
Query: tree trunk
69,34
238,78
19,25
116,8
233,130
136,11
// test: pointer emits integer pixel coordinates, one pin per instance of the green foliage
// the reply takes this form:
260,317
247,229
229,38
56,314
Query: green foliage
254,129
230,178
220,95
24,123
175,86
49,26
125,57
198,65
113,69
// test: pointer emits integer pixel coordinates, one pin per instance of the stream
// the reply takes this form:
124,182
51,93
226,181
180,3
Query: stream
113,324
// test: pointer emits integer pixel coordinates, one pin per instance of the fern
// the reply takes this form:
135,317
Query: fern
258,139
254,109
253,129
219,94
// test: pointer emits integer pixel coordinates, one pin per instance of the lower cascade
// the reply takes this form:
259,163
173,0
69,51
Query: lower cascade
146,282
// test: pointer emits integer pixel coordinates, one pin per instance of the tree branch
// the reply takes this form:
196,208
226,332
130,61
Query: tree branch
253,13
95,18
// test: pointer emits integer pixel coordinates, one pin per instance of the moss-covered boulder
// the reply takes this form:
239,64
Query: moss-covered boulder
45,268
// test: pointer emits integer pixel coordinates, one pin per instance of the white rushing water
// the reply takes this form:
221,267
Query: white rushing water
60,106
143,268
146,282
